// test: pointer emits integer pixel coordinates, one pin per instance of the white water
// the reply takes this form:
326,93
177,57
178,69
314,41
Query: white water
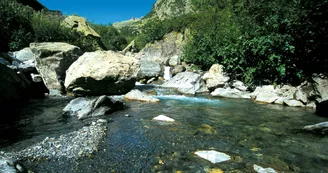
167,73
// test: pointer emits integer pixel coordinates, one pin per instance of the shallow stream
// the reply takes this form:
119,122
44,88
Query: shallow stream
251,133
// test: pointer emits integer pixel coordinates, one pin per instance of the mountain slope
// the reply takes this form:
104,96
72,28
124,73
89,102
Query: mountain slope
164,9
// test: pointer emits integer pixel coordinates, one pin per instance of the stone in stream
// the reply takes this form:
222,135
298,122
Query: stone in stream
163,118
140,96
320,127
265,94
213,156
85,107
260,169
185,82
230,93
215,77
294,103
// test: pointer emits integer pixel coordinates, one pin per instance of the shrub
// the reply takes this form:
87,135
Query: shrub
110,37
16,29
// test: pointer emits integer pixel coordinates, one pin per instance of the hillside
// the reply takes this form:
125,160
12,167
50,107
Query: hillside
257,42
164,9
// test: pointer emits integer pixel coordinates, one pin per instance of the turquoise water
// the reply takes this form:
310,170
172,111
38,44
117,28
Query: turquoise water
251,133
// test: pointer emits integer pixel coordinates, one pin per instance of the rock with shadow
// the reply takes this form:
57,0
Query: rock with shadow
86,107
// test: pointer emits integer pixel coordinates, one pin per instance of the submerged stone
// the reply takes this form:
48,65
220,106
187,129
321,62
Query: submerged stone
320,127
213,156
260,169
163,118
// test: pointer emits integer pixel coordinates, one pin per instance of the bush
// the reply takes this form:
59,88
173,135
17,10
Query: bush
16,29
110,37
261,41
21,25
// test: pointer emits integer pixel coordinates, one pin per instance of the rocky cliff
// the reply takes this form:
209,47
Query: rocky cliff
170,8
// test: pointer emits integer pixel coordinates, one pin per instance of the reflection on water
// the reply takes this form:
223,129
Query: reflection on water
267,135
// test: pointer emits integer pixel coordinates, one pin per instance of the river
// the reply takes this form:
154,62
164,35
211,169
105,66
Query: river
251,133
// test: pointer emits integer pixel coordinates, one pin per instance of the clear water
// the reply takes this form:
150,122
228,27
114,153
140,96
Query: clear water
267,135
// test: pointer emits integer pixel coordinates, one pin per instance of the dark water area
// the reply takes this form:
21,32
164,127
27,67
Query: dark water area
251,133
29,122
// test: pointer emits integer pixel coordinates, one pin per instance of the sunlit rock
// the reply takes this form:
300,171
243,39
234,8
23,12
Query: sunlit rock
265,94
163,118
230,93
52,61
294,103
102,72
186,82
239,85
213,156
260,169
138,95
215,77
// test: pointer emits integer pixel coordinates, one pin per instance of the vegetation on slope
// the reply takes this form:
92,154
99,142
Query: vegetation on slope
21,25
266,41
273,41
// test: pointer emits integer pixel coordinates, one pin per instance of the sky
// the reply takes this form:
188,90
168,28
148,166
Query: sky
102,11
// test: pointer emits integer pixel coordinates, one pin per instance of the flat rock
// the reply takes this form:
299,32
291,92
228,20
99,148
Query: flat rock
294,103
213,156
230,93
140,96
163,118
260,169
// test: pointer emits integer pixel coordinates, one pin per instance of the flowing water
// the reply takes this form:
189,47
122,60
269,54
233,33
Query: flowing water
251,133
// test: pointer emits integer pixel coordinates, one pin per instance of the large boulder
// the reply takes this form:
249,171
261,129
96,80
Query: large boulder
52,61
80,24
185,82
102,72
215,78
321,85
265,94
86,107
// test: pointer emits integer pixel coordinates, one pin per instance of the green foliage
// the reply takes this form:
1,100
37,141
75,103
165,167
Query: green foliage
110,37
271,41
155,29
21,25
14,23
48,28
